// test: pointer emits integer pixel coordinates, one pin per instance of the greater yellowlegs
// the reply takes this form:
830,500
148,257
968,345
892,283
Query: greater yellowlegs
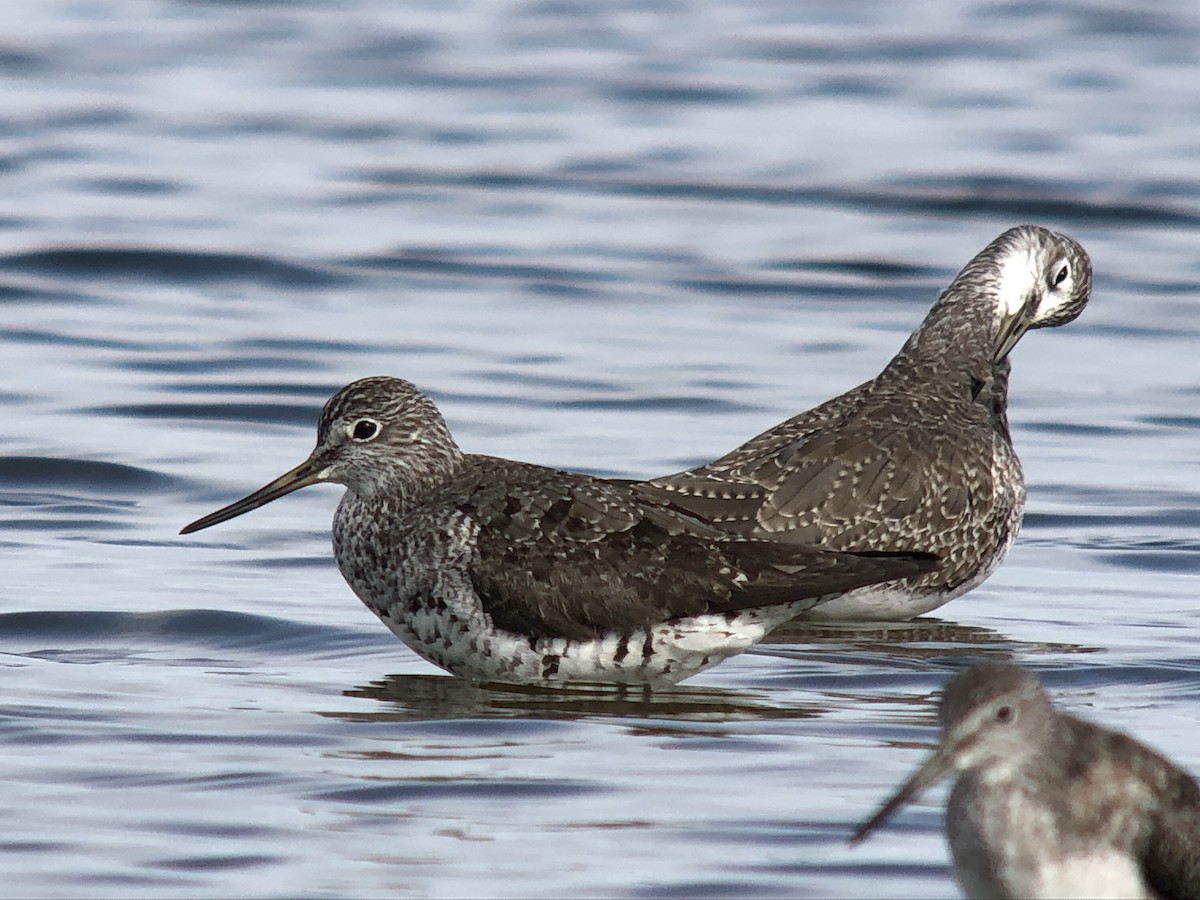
1049,805
504,571
919,457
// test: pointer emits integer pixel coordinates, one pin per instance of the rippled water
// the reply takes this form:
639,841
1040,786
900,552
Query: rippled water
613,237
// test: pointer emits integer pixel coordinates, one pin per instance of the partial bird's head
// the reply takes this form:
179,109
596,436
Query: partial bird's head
996,718
376,427
1037,278
994,714
376,435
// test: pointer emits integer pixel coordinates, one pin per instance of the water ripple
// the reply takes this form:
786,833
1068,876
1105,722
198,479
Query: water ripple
969,193
272,413
417,789
80,476
434,697
188,628
179,266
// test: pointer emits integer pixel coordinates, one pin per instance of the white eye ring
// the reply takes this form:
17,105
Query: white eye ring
364,430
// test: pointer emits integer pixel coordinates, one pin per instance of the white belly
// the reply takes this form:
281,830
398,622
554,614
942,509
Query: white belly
474,648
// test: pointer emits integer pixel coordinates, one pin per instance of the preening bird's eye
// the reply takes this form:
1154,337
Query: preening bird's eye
1062,275
1004,714
364,429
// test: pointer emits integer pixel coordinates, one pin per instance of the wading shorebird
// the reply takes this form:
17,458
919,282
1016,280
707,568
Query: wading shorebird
1049,805
504,571
920,456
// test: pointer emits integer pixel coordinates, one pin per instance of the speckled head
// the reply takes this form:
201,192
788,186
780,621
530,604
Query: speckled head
375,435
994,714
1038,279
378,431
995,717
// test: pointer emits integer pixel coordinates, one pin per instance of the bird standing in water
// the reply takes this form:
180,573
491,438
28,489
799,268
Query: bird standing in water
504,571
920,456
1049,805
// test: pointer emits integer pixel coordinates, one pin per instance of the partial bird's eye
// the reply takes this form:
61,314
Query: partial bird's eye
1062,275
1004,714
364,429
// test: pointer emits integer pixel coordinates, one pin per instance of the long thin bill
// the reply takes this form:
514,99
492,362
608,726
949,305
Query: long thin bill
931,770
308,472
1013,330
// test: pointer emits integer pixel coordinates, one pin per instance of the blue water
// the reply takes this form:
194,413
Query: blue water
620,238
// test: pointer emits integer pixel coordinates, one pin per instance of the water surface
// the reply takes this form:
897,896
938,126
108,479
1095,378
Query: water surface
615,238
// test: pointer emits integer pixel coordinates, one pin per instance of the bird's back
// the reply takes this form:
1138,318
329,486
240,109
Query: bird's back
892,464
570,555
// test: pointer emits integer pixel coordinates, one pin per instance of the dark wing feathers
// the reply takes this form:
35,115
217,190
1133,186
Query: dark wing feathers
1122,790
1171,862
1171,851
731,505
882,467
823,484
566,555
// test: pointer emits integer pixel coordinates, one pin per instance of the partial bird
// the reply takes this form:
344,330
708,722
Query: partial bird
1049,805
503,571
919,457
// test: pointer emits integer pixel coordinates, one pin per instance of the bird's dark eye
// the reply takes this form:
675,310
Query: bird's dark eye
1062,275
1004,714
364,429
